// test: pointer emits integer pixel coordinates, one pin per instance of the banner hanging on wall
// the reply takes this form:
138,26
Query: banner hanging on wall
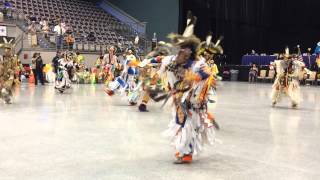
3,30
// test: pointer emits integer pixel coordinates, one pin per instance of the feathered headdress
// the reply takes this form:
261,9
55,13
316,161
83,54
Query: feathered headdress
136,40
6,44
69,55
112,46
287,53
298,50
187,38
210,47
162,49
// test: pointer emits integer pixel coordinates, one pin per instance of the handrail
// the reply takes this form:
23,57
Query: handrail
18,40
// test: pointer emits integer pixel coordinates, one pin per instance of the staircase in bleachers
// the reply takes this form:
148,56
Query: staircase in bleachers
83,17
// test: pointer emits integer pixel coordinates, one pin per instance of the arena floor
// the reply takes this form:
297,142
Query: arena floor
86,135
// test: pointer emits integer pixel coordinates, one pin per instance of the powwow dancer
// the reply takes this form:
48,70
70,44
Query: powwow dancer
189,79
287,80
63,81
128,80
8,65
149,66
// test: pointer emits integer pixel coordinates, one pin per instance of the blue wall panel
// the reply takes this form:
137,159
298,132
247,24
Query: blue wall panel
162,16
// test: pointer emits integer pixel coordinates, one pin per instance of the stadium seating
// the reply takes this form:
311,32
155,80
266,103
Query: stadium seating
83,17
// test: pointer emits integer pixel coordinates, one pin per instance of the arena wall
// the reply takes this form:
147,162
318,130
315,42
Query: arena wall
162,16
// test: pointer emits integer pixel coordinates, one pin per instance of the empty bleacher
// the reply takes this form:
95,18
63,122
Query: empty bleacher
83,17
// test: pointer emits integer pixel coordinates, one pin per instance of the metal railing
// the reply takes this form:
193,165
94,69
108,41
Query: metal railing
127,30
18,44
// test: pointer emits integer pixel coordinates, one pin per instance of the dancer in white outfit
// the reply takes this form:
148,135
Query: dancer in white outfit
63,81
287,80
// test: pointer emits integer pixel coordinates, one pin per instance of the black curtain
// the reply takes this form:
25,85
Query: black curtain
266,26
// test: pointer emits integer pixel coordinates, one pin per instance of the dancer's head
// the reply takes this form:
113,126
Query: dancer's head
111,50
207,49
7,51
187,43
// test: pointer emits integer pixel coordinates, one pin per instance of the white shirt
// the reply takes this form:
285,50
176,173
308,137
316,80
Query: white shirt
172,79
43,22
63,63
107,60
59,30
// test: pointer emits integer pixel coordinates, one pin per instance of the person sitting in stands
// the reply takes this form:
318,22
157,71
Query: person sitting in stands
70,41
253,72
226,75
91,37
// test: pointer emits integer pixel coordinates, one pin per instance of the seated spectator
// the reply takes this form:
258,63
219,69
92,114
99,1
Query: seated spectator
253,73
303,75
7,9
226,75
253,53
91,37
33,18
7,5
70,41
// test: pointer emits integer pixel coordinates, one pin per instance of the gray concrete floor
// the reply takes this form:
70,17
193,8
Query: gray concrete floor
86,135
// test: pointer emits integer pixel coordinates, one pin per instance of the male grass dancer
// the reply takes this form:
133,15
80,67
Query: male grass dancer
65,64
149,66
188,78
8,64
127,82
287,80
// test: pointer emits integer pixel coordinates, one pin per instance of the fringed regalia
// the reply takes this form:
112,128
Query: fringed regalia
191,82
287,80
148,68
128,81
65,66
8,65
